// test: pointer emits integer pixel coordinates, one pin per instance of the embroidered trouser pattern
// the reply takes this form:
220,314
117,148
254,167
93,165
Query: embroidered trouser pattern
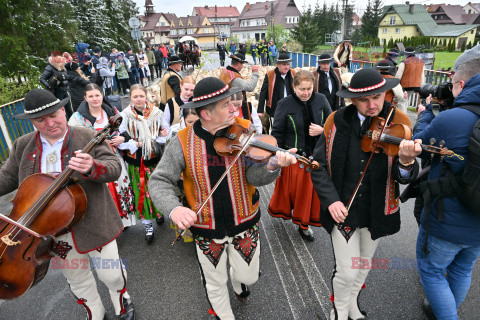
243,255
77,269
348,278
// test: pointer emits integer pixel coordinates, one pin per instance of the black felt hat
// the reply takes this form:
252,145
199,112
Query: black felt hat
40,102
409,50
367,82
174,59
383,65
209,90
238,57
325,58
283,57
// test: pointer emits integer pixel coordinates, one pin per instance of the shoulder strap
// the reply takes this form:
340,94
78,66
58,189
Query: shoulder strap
473,108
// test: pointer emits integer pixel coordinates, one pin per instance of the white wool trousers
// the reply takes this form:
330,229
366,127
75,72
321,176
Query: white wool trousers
352,264
242,253
77,269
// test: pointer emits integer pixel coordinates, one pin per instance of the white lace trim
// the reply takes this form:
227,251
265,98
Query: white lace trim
43,107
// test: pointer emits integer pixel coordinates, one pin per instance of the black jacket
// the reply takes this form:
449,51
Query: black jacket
335,102
158,56
133,60
55,80
293,118
347,164
278,92
221,49
76,87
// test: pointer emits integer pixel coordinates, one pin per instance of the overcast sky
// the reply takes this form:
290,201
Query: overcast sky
185,7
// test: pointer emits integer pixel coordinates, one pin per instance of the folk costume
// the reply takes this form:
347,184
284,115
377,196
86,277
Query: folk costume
343,54
94,236
121,190
227,228
142,127
275,87
328,83
294,196
375,211
411,73
231,77
395,95
170,84
248,112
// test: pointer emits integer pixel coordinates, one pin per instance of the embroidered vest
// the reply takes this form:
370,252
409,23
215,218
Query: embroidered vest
391,202
197,184
412,75
166,92
272,77
227,76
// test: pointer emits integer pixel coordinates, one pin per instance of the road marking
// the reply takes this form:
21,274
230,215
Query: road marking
319,286
286,276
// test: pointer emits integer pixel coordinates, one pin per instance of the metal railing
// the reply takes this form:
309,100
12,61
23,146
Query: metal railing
11,128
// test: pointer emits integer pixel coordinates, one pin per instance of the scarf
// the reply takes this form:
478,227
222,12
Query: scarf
144,128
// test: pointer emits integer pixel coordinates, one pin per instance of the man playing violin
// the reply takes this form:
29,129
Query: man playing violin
52,148
355,227
227,227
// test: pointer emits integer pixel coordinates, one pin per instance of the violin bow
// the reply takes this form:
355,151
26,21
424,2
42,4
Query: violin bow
245,146
392,107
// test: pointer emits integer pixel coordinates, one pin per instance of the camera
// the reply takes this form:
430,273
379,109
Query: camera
442,91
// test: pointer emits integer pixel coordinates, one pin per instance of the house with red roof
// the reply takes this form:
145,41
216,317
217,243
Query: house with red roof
221,19
255,18
155,27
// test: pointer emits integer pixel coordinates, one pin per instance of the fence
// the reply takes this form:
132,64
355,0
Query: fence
11,128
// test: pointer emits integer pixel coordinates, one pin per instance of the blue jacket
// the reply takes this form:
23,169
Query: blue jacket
454,126
273,50
233,48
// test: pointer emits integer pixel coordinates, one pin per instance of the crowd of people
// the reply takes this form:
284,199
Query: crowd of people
163,161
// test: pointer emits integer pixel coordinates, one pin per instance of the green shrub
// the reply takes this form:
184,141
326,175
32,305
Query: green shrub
11,90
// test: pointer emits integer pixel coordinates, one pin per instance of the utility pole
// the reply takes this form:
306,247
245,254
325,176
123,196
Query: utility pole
343,15
272,21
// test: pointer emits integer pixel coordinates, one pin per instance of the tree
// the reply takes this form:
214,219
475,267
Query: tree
306,32
281,34
371,18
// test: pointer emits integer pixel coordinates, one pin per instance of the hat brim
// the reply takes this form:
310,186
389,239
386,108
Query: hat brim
58,106
284,60
226,94
325,60
233,57
390,83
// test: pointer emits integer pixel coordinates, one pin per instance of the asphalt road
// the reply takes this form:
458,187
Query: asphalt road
164,281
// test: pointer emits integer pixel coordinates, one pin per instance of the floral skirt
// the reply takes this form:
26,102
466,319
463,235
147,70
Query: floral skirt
122,193
295,198
143,203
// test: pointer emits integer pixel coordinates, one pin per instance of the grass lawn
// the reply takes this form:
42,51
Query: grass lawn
445,59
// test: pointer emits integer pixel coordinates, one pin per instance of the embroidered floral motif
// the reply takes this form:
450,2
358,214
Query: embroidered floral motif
61,249
247,245
212,250
347,232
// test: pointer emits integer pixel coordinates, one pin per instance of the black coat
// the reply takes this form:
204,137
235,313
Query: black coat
278,92
158,56
335,102
76,87
292,121
221,49
347,164
55,80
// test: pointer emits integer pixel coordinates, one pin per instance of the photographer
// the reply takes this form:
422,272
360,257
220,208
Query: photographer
448,235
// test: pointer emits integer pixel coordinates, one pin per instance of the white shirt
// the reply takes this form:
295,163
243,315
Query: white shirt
329,81
54,151
285,94
102,124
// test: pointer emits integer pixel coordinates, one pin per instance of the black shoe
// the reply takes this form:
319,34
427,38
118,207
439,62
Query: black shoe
160,220
129,311
309,236
242,297
149,235
427,309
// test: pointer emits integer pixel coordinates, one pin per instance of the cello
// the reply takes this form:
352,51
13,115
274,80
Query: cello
45,206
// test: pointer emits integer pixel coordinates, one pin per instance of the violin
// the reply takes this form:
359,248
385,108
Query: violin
259,148
45,206
389,140
239,140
